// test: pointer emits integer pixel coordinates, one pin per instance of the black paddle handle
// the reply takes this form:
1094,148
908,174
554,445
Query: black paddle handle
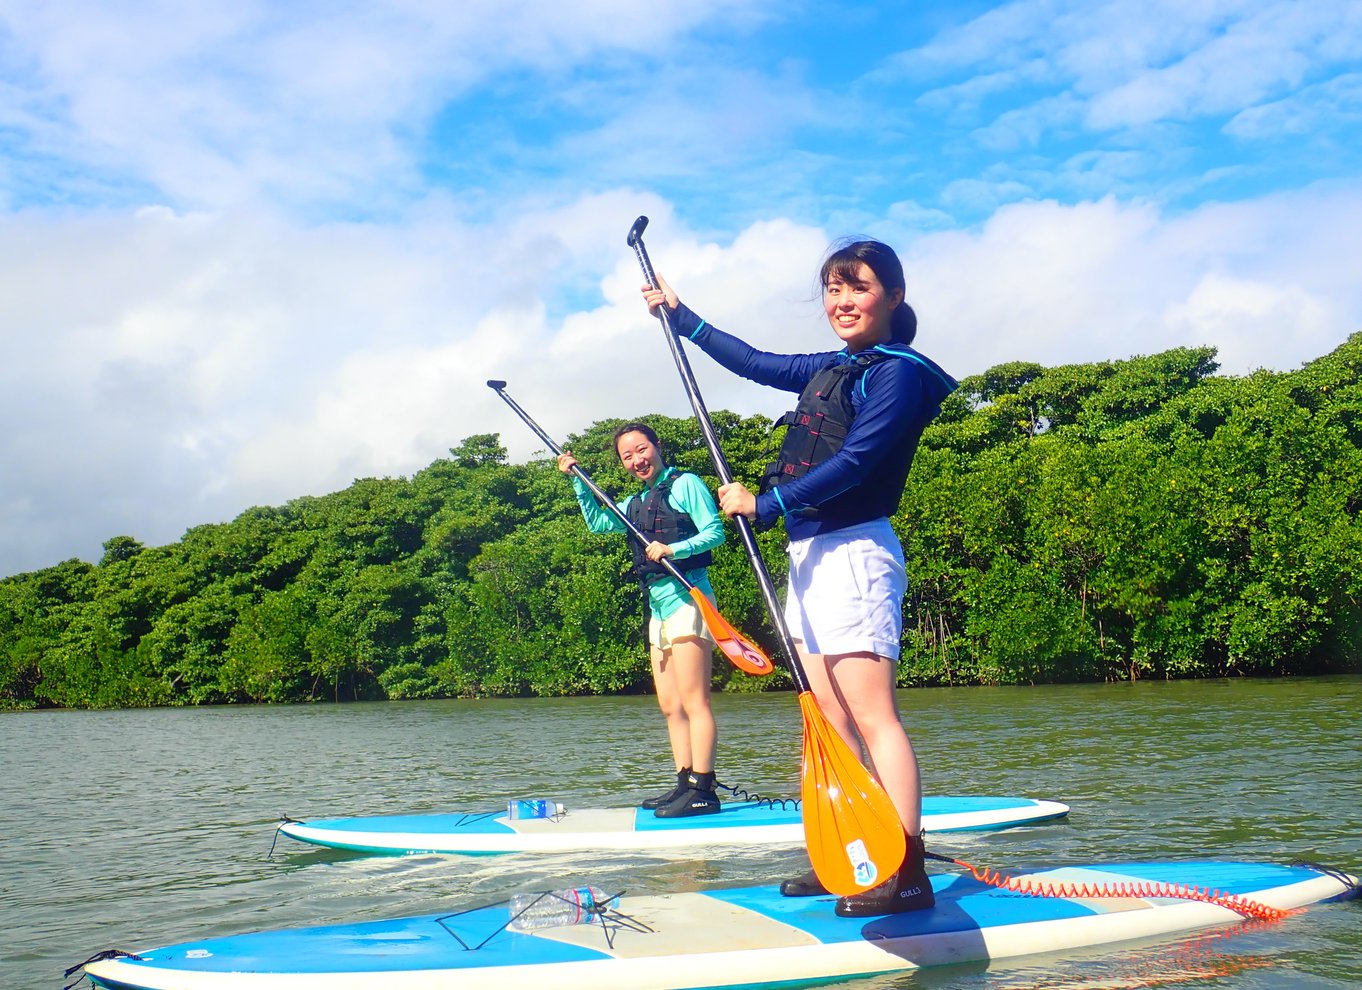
606,501
697,404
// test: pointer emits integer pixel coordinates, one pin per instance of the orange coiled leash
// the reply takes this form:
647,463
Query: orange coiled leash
1235,903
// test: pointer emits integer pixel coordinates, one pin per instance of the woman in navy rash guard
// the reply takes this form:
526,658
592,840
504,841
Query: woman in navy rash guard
839,478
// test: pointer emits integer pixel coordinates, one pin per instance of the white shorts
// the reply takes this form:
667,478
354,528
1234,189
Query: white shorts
846,591
685,622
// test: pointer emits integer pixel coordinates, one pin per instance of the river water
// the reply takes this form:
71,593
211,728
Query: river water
132,829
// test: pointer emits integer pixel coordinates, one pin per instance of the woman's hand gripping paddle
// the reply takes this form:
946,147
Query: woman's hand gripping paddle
853,832
743,653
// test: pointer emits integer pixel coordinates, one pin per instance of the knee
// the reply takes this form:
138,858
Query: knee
697,706
880,730
832,707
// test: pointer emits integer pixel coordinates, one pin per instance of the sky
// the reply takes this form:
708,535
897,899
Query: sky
251,251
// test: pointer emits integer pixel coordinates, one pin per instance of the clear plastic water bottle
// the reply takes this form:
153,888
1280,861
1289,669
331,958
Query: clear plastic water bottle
534,808
555,908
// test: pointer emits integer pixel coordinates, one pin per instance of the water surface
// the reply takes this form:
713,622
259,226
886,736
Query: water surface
132,829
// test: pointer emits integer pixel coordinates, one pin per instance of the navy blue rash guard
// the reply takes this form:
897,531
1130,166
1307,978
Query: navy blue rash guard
893,401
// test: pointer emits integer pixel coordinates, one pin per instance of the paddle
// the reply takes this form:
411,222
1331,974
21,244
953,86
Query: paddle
743,653
853,832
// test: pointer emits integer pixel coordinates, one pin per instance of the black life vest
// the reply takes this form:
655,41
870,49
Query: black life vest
652,512
819,423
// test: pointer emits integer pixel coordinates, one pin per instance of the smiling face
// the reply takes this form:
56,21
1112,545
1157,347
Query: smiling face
640,456
860,309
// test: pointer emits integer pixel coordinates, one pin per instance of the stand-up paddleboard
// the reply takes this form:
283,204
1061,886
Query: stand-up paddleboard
749,937
618,829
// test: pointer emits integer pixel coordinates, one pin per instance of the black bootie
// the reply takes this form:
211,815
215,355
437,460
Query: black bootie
907,890
807,885
682,784
697,799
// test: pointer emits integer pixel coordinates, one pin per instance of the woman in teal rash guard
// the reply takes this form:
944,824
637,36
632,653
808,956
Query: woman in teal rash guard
677,514
839,478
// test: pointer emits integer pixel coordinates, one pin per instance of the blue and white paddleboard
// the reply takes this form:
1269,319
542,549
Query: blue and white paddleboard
749,937
739,823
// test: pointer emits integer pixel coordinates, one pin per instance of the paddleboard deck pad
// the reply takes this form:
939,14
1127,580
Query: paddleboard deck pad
737,823
744,937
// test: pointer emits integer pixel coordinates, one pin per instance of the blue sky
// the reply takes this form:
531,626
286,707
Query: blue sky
254,250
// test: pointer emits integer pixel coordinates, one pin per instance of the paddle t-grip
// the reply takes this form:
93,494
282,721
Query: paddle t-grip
494,383
636,231
636,242
697,401
721,469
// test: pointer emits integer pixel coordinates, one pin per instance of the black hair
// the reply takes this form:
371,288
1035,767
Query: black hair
844,265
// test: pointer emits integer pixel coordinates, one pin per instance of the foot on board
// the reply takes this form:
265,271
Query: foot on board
697,799
679,788
807,885
909,889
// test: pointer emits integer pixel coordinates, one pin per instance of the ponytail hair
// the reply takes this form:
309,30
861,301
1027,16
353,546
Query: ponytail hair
844,264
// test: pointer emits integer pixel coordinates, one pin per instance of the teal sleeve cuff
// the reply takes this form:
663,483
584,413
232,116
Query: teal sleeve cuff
770,506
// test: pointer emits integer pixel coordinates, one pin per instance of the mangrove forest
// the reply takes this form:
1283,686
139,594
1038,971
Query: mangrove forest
1143,518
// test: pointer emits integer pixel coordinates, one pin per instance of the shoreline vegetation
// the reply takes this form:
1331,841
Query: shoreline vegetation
1117,520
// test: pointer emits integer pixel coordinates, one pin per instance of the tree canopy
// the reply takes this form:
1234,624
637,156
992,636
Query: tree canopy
1122,519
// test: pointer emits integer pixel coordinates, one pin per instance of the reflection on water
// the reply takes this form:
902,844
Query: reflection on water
133,829
1200,959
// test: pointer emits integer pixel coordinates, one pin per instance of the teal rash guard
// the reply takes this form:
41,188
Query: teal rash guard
688,495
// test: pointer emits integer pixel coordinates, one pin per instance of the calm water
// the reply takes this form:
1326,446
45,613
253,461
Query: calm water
139,828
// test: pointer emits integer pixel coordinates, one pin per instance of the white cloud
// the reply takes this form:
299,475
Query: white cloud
1005,35
982,195
1268,282
1266,52
914,217
1026,126
1131,65
165,370
223,104
971,94
1238,315
175,369
168,365
1319,112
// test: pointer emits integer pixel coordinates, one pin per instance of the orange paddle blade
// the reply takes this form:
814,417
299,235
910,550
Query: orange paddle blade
852,830
740,650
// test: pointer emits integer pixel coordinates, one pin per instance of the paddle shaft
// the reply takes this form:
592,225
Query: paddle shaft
853,832
697,403
500,388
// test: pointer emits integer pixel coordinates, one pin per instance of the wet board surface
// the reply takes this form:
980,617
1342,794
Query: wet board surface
743,937
738,823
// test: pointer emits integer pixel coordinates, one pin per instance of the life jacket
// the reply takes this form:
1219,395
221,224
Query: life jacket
653,514
819,423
